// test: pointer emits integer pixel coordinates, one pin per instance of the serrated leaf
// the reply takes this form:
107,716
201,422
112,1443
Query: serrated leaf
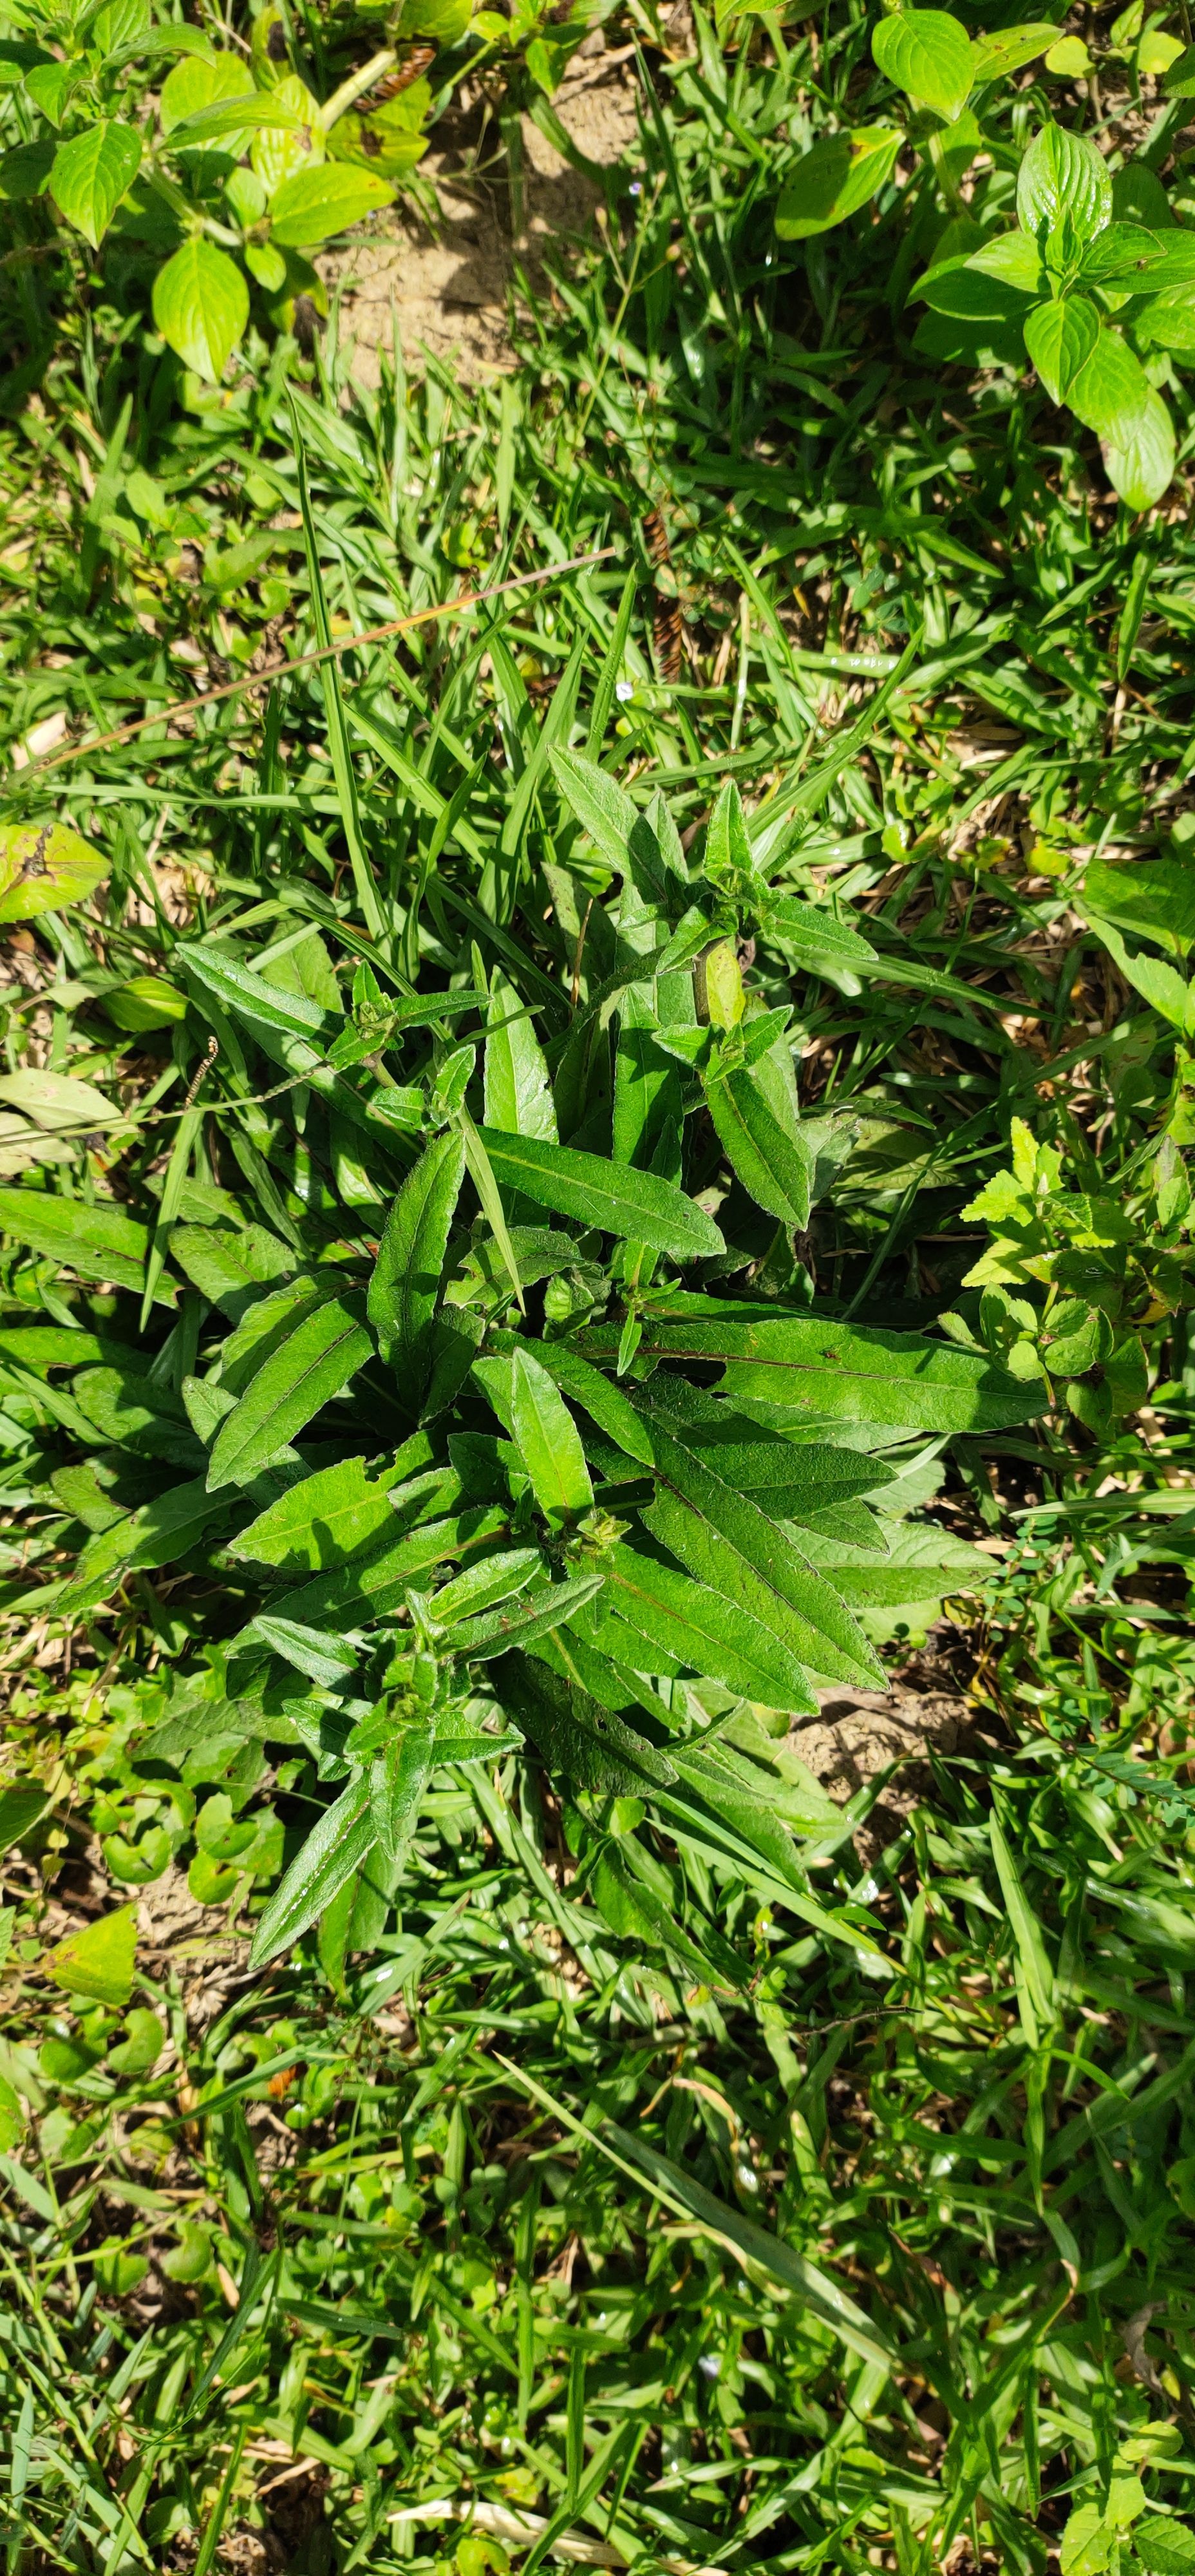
929,55
549,1443
334,1849
834,179
404,1291
767,1159
727,1542
635,1206
575,1734
1060,337
686,1620
822,1370
319,1358
91,173
201,306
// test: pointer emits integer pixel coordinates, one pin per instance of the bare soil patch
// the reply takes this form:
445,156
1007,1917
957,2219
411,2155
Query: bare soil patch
447,290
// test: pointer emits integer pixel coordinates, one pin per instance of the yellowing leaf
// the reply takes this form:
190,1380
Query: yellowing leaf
98,1962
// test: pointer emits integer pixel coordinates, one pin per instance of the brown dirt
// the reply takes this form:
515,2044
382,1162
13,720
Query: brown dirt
857,1733
449,289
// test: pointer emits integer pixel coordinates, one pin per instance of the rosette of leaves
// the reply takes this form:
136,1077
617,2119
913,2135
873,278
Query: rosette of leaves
237,178
429,1362
1097,302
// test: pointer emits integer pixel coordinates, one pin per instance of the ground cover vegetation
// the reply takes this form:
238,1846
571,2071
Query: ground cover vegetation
575,1178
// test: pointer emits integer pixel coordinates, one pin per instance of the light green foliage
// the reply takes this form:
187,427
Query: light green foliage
1067,250
614,2126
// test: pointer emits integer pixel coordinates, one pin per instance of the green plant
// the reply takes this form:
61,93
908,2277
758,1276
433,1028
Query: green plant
1120,2533
230,175
1095,286
618,1593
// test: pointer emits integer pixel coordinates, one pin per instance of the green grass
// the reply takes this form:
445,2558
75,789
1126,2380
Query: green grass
449,2268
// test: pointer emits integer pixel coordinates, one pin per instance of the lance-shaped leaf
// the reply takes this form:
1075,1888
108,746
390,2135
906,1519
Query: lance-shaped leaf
718,1781
636,1913
605,1404
726,1541
397,1780
793,1480
494,1578
377,1580
637,1207
834,179
575,1734
405,1288
325,1660
549,1443
535,1613
98,1242
518,1091
816,1369
334,1848
321,1521
157,1533
768,1160
756,2247
317,1359
817,937
685,1620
